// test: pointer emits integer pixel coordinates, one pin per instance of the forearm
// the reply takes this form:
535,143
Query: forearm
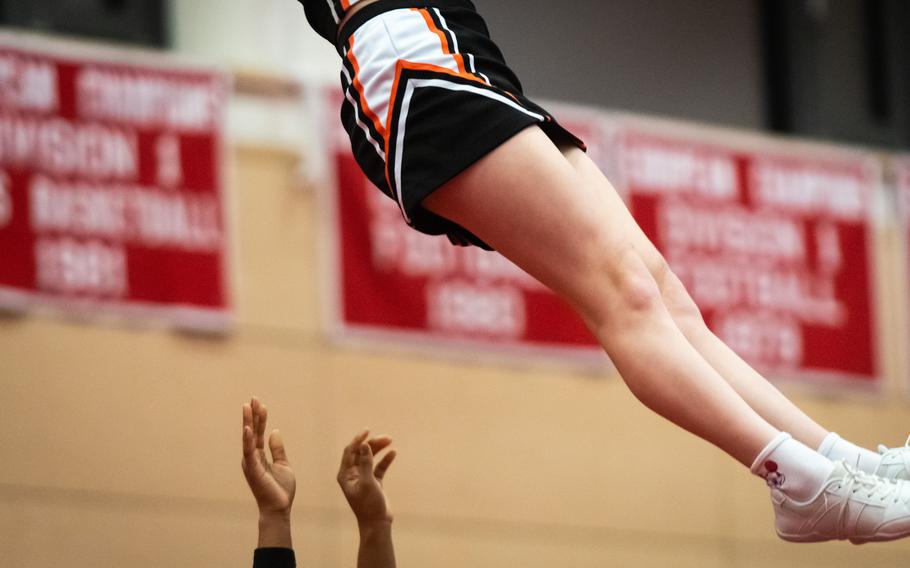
376,549
275,530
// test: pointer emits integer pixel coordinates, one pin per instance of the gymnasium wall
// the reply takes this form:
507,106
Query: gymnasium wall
698,59
122,445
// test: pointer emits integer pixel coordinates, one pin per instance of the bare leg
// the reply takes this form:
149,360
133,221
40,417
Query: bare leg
761,395
527,201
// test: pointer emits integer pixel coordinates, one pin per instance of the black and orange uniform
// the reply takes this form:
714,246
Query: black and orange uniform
426,94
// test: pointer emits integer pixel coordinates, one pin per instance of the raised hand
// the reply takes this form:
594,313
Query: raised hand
361,480
273,484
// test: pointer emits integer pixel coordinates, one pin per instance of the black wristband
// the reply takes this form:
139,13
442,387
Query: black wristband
274,558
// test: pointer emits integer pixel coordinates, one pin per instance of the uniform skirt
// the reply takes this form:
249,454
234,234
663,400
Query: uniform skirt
427,94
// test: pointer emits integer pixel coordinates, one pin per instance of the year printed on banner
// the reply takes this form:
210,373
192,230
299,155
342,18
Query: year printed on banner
90,268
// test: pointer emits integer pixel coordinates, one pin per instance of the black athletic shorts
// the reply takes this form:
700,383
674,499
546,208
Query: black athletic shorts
427,94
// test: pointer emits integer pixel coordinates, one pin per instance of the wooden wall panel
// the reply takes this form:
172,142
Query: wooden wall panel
122,444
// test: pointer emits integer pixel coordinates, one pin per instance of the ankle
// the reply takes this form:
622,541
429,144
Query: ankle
836,448
792,467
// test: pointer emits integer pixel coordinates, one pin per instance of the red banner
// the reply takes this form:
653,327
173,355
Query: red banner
111,184
773,244
394,282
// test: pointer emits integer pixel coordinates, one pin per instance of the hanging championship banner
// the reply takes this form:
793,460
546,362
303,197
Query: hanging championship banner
395,283
772,239
111,184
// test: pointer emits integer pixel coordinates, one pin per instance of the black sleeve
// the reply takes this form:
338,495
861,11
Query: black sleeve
274,558
319,15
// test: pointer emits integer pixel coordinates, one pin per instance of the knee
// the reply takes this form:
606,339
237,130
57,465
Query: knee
631,290
636,287
682,307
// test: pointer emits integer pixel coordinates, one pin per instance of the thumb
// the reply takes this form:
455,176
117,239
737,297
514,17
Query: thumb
365,461
276,446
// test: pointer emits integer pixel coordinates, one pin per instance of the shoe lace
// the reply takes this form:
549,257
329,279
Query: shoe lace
903,452
856,481
873,486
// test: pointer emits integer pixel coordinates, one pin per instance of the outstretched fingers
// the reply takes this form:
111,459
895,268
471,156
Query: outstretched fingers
352,450
357,461
376,445
260,417
248,448
252,465
383,465
365,461
379,443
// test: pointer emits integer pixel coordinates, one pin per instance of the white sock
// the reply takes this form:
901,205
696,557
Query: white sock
792,467
835,448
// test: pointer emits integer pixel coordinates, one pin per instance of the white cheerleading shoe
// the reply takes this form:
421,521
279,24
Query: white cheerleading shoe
852,505
895,462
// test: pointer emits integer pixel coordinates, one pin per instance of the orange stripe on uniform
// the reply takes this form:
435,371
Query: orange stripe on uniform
392,97
412,65
345,4
443,40
399,67
363,99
